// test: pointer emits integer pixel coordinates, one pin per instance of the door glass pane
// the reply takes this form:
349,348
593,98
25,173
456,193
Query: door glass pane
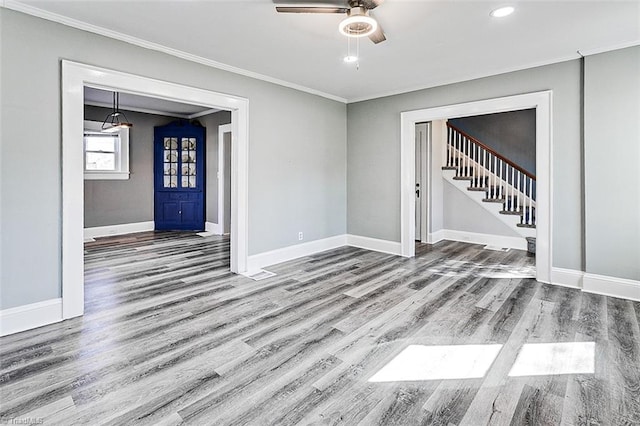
170,159
188,146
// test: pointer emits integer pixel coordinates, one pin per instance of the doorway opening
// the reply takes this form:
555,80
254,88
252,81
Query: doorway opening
410,133
224,178
75,77
422,157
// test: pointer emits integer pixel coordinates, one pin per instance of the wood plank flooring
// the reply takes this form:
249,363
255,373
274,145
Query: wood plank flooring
171,337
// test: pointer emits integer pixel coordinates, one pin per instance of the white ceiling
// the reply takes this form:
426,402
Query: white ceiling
429,43
132,102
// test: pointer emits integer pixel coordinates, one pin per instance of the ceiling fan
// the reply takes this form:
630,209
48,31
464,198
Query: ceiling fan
358,23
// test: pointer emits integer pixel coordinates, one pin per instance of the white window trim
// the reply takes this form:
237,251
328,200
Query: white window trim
122,155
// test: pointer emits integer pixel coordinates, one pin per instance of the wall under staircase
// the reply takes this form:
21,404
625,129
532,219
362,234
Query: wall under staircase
492,182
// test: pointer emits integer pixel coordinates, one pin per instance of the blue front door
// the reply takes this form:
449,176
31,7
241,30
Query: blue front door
179,177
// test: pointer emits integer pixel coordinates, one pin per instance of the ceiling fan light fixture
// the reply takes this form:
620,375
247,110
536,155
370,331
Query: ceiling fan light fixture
501,12
358,23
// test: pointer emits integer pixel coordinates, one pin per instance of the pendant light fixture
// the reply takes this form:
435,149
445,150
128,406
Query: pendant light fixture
116,120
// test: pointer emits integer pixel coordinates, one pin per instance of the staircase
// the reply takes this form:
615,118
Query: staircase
493,181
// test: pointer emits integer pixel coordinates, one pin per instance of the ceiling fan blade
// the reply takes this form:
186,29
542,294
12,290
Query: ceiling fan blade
302,9
378,35
371,4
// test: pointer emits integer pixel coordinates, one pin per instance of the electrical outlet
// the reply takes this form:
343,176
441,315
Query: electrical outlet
300,236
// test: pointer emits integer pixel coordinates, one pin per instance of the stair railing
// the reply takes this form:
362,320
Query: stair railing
487,170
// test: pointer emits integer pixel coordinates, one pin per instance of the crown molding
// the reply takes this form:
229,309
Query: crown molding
597,50
74,23
577,55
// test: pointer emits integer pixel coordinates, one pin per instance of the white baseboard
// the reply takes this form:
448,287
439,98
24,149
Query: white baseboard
125,228
375,244
566,277
611,286
213,227
435,237
26,317
258,261
518,243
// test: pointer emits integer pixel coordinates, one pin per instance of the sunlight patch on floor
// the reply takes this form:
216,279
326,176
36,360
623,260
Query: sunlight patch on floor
541,359
418,362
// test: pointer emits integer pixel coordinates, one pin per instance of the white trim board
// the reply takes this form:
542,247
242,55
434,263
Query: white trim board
611,286
542,102
74,23
258,261
567,277
27,317
518,243
75,77
374,244
213,227
122,229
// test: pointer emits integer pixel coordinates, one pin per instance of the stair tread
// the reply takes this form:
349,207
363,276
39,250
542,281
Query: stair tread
474,188
524,225
512,213
463,178
493,200
449,168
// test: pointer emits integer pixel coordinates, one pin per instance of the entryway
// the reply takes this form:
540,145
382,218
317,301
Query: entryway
75,77
410,130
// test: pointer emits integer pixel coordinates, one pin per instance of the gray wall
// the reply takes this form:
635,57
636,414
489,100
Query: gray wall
212,122
511,134
297,149
461,213
373,156
114,202
612,163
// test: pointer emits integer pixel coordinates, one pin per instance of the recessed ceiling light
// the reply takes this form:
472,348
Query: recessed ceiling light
502,12
350,58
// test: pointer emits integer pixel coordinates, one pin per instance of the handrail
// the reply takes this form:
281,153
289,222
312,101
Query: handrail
476,141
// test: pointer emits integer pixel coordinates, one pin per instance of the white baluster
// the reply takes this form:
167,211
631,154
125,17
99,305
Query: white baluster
464,156
466,153
448,146
530,202
495,176
500,194
452,142
524,200
474,159
518,190
458,158
484,164
511,207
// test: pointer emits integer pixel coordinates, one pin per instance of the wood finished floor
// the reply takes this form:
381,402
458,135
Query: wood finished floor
171,337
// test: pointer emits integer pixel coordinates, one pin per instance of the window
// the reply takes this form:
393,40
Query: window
106,155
